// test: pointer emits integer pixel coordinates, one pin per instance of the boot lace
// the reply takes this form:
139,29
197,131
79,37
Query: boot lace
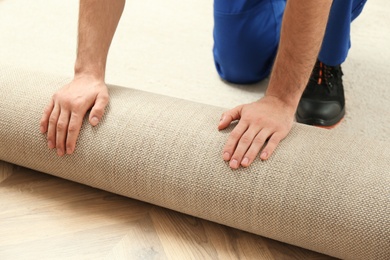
325,76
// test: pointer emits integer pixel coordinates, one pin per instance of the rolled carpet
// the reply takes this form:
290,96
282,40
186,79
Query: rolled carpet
324,191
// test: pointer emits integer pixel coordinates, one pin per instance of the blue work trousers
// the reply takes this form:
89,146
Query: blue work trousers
247,32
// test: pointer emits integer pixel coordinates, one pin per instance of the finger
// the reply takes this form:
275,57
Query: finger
243,145
75,123
98,109
271,146
229,116
254,149
232,142
45,117
52,127
62,130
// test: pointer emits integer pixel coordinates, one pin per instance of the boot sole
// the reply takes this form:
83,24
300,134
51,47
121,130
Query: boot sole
327,124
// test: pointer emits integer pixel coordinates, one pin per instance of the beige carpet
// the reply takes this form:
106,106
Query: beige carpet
155,52
166,48
313,192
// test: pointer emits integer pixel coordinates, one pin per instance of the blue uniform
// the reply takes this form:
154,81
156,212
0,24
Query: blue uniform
246,36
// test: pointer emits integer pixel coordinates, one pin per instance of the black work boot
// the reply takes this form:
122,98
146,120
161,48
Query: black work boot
322,103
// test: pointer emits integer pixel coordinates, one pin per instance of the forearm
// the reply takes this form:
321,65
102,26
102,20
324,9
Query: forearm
98,20
302,32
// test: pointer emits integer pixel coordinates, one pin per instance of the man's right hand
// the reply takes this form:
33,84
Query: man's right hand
63,116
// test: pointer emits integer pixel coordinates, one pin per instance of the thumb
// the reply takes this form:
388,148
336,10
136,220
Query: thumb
229,116
98,108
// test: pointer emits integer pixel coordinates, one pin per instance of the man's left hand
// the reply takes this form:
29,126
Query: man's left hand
262,123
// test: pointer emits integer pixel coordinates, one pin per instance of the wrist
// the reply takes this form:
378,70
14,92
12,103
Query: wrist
88,75
289,98
290,105
288,80
89,69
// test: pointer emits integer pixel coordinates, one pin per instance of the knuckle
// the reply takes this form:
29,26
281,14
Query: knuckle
61,125
43,121
74,117
47,110
72,128
238,153
52,120
66,102
259,141
78,103
104,97
228,148
272,143
246,121
59,144
50,136
69,145
246,139
258,121
235,135
98,111
252,152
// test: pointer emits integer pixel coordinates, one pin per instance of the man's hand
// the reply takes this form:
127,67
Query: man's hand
63,116
271,117
267,119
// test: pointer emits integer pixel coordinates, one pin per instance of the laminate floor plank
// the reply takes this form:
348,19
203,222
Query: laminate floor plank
46,217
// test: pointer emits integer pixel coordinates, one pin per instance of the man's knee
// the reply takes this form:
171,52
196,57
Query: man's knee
241,70
246,38
244,56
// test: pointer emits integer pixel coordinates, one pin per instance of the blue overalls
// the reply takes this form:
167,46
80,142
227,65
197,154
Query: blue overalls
246,36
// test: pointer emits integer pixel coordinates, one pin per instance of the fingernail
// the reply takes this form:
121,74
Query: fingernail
234,163
226,156
42,129
94,120
50,145
222,118
68,150
264,155
245,162
59,152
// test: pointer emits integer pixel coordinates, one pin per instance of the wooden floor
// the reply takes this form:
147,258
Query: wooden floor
45,217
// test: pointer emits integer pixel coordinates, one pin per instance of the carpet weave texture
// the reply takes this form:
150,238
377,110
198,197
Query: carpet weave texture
322,190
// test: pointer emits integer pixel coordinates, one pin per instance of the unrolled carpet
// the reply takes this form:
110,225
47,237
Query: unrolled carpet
324,191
